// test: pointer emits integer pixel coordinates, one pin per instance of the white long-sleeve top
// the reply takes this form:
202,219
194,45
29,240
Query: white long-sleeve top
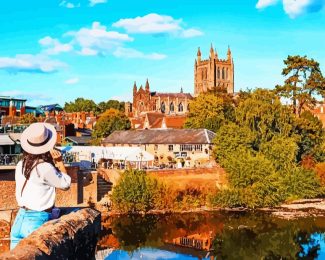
39,191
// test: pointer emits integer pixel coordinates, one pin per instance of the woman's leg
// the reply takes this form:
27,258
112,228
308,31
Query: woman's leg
32,221
15,235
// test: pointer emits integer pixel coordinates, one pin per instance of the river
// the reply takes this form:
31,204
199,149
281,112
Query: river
212,235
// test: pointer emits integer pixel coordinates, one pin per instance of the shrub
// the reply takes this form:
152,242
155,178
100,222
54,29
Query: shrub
135,192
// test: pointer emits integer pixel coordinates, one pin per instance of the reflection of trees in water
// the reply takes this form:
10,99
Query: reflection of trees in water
267,238
237,235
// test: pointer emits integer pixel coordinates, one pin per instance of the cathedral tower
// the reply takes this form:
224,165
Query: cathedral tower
213,72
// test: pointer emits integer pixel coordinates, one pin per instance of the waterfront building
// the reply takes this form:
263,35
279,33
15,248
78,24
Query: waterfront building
12,107
183,147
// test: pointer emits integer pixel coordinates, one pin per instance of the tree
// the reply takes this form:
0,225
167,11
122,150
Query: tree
103,106
80,105
28,119
210,111
303,83
109,122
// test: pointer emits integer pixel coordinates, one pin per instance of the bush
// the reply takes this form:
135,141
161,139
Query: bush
135,192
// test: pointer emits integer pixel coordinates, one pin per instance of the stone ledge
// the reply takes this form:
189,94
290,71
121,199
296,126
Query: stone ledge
73,236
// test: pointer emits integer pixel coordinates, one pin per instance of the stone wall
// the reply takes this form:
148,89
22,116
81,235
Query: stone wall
73,236
7,190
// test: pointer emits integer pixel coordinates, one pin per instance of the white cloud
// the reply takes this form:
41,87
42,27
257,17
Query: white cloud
265,3
132,53
95,2
72,81
54,46
30,63
295,8
30,96
156,24
69,4
97,39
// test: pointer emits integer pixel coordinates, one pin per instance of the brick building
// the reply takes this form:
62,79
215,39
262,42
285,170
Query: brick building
12,107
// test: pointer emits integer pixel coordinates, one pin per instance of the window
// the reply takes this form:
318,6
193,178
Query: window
180,107
223,73
190,147
170,147
218,73
163,107
171,107
156,147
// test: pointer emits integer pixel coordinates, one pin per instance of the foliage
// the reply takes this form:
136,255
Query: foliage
109,122
303,83
80,105
28,119
261,152
210,111
115,104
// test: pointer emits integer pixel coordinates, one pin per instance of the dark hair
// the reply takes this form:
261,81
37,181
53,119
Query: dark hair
30,161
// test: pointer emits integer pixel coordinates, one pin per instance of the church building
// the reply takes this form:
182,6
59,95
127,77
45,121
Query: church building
208,74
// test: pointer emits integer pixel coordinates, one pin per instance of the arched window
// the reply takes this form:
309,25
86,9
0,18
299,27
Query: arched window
218,73
227,74
163,107
180,107
171,107
202,76
223,73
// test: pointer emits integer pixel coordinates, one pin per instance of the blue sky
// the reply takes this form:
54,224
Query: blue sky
55,51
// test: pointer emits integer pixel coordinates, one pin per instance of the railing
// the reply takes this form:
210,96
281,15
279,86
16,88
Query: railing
12,128
9,159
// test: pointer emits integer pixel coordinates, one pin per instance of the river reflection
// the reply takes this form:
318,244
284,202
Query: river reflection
214,235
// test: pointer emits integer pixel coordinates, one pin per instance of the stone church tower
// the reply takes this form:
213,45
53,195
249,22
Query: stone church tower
213,72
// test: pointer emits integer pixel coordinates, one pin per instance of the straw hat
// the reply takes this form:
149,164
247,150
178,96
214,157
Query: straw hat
38,138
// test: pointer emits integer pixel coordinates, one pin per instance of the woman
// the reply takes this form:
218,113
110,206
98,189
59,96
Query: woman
37,175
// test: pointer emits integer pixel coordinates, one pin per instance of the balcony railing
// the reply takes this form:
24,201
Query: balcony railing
9,159
12,128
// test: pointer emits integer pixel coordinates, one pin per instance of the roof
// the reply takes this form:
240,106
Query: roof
5,140
51,107
175,121
11,98
161,136
79,139
174,95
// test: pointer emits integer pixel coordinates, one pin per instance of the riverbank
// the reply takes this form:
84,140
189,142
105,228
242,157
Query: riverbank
296,209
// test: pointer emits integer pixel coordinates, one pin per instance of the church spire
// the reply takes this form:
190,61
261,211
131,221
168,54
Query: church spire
147,85
211,51
135,87
198,56
229,53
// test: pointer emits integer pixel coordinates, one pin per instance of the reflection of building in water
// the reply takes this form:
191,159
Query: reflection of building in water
199,245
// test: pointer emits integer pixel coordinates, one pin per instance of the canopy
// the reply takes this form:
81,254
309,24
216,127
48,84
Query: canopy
6,140
131,154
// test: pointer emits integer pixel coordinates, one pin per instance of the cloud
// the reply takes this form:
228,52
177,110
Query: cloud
69,5
132,53
30,96
54,46
30,63
156,24
72,81
95,2
294,8
97,39
265,3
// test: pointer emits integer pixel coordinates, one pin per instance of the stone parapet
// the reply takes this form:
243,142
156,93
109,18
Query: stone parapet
73,236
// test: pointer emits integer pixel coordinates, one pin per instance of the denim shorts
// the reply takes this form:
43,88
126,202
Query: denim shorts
25,223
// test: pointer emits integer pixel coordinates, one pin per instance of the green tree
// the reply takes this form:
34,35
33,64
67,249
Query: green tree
210,111
304,81
28,119
80,105
135,191
108,122
103,106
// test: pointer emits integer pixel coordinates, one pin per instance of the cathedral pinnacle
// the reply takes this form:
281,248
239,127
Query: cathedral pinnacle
199,52
147,85
229,53
135,86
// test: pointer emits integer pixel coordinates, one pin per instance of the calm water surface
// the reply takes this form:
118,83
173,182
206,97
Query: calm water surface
213,236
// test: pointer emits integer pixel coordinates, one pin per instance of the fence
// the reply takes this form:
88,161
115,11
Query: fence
9,159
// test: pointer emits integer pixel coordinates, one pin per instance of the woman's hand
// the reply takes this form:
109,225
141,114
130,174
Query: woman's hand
57,159
56,155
